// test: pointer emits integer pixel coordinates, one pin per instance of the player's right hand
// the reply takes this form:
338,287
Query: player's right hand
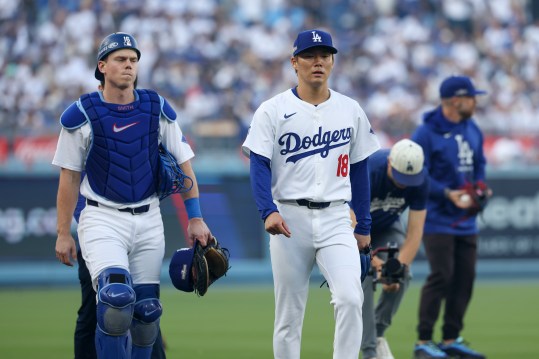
390,288
275,224
456,196
66,249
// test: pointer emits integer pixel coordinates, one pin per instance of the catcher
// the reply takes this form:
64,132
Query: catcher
196,268
114,135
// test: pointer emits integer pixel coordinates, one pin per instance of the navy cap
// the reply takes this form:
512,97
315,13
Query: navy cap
458,86
180,271
313,38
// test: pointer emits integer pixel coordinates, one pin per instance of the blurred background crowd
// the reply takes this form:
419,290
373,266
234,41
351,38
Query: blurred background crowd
217,60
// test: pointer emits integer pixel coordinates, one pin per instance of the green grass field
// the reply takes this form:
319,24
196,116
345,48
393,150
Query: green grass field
236,323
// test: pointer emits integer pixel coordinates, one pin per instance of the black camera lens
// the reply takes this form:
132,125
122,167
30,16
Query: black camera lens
393,266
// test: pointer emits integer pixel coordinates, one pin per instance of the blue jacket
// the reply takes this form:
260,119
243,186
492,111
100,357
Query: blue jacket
453,156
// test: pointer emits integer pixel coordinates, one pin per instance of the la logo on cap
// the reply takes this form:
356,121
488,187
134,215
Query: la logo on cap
313,38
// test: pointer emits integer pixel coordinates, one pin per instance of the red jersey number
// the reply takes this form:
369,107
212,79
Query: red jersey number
342,166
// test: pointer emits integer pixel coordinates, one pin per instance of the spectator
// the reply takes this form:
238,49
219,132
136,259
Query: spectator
216,44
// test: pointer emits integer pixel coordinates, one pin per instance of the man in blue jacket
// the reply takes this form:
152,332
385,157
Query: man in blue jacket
453,147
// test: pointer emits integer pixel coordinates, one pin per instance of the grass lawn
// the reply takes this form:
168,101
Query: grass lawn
237,322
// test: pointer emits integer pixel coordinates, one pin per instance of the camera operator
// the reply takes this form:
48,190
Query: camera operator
398,181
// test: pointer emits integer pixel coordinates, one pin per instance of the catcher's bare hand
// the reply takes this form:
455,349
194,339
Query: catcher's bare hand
275,224
66,249
198,230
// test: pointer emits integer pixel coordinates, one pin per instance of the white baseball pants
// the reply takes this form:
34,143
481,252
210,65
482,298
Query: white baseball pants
325,236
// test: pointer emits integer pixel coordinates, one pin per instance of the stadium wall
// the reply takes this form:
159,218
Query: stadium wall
509,244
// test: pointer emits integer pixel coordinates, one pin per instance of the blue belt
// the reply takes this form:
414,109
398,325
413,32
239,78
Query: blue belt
133,211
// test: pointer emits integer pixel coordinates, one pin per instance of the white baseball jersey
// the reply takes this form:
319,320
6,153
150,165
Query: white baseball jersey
311,147
73,147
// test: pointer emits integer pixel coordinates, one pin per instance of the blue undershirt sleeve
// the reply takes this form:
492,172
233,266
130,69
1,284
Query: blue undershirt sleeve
261,184
361,196
81,202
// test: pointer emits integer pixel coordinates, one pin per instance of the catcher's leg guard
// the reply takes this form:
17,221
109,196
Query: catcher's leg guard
115,304
145,324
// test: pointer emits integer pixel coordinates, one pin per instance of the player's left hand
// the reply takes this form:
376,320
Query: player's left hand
66,249
362,240
198,230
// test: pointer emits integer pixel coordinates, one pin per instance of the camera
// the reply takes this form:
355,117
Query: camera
393,271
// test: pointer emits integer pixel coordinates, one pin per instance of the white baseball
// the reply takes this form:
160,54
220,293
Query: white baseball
465,198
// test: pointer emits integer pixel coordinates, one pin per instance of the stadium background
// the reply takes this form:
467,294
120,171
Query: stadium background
216,60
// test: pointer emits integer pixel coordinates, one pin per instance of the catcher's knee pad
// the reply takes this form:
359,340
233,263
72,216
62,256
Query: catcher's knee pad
115,301
148,310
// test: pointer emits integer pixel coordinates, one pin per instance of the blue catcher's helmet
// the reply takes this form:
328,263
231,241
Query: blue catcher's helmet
111,43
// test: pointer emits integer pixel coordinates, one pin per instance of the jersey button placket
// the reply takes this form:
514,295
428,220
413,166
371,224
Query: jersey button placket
318,162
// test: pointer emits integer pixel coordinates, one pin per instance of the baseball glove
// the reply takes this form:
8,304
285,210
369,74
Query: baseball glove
170,178
196,268
365,256
478,193
209,264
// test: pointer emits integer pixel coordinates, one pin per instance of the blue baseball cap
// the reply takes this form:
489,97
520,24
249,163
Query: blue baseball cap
458,86
313,38
180,271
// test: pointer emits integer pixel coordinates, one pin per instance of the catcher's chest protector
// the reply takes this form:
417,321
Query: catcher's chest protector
122,162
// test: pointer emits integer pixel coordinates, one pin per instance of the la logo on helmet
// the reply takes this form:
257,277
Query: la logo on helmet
316,37
127,41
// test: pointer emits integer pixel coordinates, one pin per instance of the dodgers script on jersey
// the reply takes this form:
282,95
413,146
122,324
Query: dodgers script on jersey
306,142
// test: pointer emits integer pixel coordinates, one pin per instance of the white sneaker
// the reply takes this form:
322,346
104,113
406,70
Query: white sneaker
382,349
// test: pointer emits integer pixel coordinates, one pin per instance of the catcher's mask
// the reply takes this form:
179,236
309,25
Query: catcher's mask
111,43
180,269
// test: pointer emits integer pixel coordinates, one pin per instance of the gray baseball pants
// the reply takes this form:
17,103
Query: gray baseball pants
377,320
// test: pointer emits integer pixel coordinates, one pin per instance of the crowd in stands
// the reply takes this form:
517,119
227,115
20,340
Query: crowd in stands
216,60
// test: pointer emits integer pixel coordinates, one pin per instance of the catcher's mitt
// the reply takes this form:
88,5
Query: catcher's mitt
478,193
195,269
170,178
365,256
